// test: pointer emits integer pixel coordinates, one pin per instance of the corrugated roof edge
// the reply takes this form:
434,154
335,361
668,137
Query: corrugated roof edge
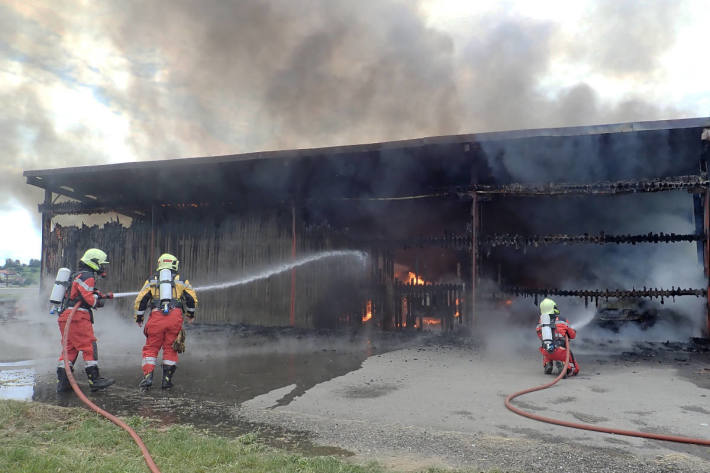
416,142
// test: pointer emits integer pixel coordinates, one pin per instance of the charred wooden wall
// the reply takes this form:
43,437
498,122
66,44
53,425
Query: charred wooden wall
220,248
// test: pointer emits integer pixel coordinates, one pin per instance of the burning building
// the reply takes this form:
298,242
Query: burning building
449,223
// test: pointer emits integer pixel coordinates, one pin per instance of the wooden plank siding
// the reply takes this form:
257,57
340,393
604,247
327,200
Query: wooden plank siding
220,248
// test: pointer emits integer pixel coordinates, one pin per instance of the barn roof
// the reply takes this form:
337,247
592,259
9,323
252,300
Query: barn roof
373,169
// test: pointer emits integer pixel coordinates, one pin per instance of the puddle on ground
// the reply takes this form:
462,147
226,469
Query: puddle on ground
207,390
17,380
222,368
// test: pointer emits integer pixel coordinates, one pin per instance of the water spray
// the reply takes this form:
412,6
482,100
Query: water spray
272,270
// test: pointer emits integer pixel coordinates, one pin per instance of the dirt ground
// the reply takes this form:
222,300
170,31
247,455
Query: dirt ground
408,400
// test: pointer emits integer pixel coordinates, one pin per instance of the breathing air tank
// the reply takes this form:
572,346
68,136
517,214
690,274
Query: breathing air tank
166,289
546,332
61,282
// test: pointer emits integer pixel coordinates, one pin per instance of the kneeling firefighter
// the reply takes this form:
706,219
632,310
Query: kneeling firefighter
551,330
168,298
81,332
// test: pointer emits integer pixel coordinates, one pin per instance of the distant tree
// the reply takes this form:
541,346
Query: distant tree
14,264
34,263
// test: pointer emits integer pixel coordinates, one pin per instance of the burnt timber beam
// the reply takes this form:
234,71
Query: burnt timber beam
519,241
46,229
74,208
475,220
62,190
706,228
692,183
83,203
462,241
597,294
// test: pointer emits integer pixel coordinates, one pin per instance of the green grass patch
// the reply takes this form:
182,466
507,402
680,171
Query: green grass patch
38,438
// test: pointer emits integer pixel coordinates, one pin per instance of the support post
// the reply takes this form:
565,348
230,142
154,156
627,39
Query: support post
474,256
152,237
292,313
706,259
46,229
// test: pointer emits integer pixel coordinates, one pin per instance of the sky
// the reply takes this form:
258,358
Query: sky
85,82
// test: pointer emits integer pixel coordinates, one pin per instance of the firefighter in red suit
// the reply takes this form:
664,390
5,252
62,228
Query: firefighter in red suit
163,329
553,350
81,334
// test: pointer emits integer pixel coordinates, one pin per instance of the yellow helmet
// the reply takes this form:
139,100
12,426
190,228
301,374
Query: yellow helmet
168,261
94,259
548,306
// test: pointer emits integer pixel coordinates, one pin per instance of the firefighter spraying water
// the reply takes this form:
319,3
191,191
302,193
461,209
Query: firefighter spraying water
552,330
168,298
70,289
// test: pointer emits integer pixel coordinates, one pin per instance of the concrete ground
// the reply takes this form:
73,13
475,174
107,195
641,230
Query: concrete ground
439,405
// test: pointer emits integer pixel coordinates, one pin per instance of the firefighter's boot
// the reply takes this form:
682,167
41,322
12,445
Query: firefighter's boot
168,372
559,366
548,367
63,385
96,381
146,382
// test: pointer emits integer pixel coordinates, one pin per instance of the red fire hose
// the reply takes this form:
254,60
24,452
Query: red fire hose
574,425
146,455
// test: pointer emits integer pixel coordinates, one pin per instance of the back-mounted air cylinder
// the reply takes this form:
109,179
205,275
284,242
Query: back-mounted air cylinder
166,288
546,324
61,282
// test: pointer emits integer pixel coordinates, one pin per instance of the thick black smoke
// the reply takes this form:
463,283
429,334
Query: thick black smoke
214,77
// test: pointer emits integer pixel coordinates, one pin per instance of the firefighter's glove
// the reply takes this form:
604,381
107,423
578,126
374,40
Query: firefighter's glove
179,343
139,320
99,303
108,295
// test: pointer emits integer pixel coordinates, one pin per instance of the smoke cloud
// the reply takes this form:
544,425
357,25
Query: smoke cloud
123,81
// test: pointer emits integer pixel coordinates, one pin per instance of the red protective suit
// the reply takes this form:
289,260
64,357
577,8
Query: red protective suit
560,329
81,335
160,331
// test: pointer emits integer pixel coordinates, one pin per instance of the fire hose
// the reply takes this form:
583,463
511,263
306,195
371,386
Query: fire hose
575,425
146,455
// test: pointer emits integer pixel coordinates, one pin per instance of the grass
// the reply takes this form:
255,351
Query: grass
38,438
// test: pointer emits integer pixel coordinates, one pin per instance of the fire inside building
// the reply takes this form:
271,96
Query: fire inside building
451,225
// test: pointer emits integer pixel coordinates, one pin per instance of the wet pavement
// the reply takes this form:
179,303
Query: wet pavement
223,367
407,398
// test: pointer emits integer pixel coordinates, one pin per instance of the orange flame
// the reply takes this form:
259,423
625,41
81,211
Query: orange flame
368,312
414,279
